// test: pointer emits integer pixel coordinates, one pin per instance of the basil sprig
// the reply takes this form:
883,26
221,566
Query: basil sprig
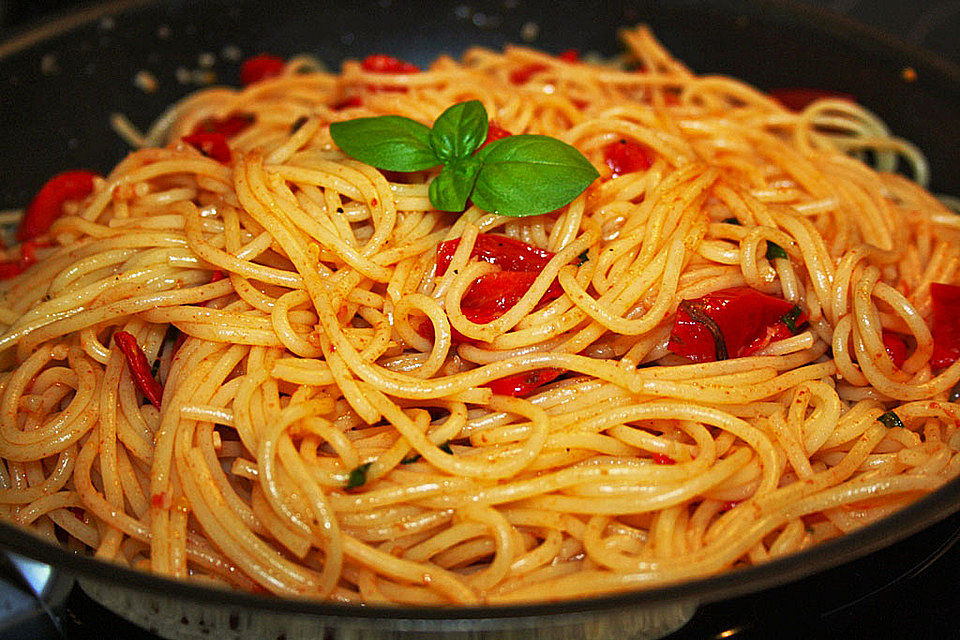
521,175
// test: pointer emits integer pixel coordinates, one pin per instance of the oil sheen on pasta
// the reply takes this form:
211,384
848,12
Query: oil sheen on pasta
300,281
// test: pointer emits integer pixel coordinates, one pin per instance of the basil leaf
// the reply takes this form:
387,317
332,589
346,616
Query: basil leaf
891,420
358,476
775,251
459,131
449,190
527,175
731,221
583,258
393,143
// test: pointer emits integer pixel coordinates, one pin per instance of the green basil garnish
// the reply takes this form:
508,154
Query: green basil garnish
445,447
449,190
393,143
891,420
530,175
775,251
522,175
358,476
790,319
731,221
459,131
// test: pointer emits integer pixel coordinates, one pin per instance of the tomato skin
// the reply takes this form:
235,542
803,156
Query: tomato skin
47,205
212,145
491,295
945,325
748,320
662,458
519,385
626,156
799,98
506,252
228,127
382,63
495,132
523,74
28,256
896,348
10,268
261,67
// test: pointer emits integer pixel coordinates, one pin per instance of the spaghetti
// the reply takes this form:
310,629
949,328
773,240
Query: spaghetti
339,416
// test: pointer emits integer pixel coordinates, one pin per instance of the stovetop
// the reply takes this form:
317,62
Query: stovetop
909,590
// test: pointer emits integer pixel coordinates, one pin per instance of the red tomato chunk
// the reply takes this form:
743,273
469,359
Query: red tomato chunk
896,348
798,99
626,156
212,145
732,323
261,67
945,325
381,63
47,205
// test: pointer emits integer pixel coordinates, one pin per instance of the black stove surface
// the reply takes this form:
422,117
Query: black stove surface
910,590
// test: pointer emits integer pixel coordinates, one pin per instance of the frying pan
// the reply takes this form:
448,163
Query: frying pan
60,81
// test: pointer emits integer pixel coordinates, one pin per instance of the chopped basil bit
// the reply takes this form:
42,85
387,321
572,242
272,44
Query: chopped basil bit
582,258
790,319
445,447
775,251
731,221
358,476
890,420
169,338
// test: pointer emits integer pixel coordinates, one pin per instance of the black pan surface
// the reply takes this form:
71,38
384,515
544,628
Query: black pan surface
60,82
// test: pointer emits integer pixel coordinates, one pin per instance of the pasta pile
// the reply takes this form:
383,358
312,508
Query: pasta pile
326,426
